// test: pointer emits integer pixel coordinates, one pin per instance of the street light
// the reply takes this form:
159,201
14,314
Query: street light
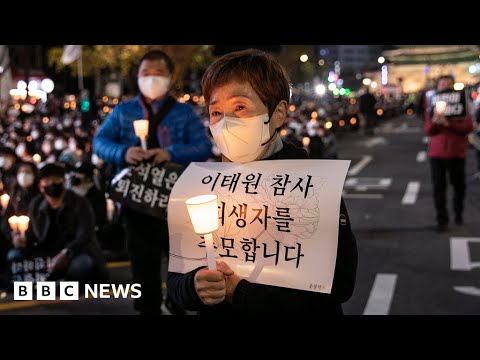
381,60
304,58
320,89
47,85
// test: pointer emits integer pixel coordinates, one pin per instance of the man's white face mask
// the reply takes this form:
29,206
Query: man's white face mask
242,139
25,179
153,86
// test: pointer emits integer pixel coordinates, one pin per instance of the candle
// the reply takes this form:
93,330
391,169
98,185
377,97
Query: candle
440,107
23,222
4,199
110,209
141,130
13,222
203,212
36,158
306,141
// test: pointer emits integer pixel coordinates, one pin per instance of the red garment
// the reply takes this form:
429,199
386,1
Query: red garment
448,142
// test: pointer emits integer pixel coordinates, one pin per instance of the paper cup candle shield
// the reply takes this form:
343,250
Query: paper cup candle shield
203,212
141,130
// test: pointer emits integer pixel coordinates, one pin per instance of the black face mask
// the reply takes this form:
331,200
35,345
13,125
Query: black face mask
54,190
75,181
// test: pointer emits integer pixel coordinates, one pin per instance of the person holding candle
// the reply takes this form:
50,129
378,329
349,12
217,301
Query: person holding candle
24,189
62,224
447,151
252,87
176,134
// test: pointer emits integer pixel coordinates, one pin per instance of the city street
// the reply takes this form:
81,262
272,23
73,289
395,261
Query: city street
405,267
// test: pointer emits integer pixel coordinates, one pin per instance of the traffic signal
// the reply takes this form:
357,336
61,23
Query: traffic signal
85,100
85,105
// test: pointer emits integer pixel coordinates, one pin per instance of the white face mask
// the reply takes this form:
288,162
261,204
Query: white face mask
67,122
20,150
59,144
82,190
47,148
242,139
35,134
25,179
72,146
6,162
153,86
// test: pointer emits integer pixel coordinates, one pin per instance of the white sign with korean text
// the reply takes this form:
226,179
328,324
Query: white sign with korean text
278,220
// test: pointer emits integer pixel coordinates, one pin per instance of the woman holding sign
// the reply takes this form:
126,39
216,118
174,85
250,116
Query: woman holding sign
249,90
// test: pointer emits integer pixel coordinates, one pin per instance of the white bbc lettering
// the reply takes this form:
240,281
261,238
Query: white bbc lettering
22,290
138,292
69,290
46,290
104,291
118,289
92,291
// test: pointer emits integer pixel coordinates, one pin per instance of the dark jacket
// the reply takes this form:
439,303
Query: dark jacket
77,225
252,298
20,200
18,205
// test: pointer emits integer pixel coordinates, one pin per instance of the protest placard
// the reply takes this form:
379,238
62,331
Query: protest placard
278,220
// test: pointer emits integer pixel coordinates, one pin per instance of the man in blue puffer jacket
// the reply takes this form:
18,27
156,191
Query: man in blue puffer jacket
180,137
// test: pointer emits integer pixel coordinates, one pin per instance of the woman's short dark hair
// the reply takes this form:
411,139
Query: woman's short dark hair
262,71
159,55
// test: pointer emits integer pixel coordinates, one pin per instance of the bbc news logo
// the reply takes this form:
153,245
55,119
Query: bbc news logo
69,290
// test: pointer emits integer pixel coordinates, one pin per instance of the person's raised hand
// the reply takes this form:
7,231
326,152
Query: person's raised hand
158,155
135,154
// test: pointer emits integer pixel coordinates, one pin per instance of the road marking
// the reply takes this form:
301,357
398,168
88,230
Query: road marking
360,165
375,141
363,196
426,139
467,290
381,295
403,128
460,254
364,184
421,156
411,193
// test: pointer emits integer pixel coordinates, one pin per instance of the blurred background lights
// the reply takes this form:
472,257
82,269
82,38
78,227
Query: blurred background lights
47,85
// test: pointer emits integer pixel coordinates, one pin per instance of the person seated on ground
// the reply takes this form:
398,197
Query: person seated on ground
8,159
61,224
82,184
24,189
